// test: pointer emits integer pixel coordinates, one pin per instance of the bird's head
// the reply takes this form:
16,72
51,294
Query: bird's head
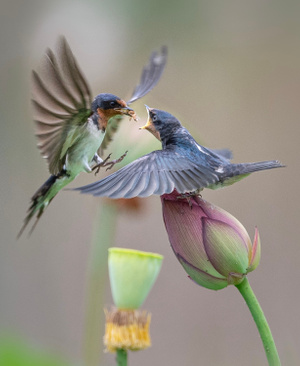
108,105
160,123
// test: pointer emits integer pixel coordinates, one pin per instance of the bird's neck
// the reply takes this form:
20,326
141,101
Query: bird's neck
174,137
102,119
102,116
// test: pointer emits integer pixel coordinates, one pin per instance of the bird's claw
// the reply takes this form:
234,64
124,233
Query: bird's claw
108,164
188,196
98,166
113,162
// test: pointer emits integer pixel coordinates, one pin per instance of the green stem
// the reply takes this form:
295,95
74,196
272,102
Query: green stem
121,357
103,238
261,322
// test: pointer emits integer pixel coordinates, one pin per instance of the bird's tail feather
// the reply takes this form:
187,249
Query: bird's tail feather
236,172
43,196
247,168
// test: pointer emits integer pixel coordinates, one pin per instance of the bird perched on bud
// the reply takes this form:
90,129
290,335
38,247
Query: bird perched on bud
72,129
182,164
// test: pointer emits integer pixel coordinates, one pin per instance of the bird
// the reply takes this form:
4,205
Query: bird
182,165
72,129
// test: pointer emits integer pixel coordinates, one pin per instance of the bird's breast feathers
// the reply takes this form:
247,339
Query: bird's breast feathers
88,141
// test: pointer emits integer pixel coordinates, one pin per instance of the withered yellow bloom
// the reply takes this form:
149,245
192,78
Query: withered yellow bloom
127,329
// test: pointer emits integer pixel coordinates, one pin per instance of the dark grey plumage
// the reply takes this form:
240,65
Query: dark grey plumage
182,164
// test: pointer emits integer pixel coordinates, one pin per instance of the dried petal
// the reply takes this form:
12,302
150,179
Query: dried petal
127,329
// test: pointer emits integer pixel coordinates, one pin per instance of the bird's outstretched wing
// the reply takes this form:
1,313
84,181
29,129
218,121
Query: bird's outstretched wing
149,78
61,101
159,172
151,74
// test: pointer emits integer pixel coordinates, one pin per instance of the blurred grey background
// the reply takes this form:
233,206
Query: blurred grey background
233,79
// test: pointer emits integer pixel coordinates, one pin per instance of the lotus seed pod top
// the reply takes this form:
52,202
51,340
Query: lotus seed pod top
132,274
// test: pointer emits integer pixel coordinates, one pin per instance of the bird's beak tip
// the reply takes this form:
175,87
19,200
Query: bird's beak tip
128,108
148,108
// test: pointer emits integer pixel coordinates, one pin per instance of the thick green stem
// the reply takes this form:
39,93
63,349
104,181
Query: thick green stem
121,357
261,322
103,238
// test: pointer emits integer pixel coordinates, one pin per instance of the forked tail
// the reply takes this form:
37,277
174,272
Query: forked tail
247,168
43,196
235,172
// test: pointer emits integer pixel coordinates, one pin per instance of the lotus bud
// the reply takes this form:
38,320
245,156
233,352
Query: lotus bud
213,247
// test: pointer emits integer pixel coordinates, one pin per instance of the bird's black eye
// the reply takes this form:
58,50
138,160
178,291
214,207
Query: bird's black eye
154,117
113,104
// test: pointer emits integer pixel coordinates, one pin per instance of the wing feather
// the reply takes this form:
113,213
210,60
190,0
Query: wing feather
42,90
135,185
61,98
48,113
74,75
158,173
139,183
47,132
150,74
165,183
58,80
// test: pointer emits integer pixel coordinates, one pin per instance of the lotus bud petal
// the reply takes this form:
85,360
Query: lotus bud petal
225,248
256,252
202,278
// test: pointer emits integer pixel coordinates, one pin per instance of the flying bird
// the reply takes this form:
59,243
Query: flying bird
72,129
182,164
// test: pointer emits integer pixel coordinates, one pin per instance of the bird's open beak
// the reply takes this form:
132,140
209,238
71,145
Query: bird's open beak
149,126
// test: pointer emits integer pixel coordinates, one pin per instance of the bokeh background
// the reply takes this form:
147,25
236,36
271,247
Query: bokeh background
233,79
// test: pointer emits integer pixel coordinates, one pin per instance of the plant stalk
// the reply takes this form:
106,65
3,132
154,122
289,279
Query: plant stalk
121,357
103,238
261,322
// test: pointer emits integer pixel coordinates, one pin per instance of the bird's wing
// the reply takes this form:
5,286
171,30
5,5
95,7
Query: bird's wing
159,172
224,153
151,74
61,101
111,129
149,78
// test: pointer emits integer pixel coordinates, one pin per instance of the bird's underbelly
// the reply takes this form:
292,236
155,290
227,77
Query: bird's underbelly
80,155
227,182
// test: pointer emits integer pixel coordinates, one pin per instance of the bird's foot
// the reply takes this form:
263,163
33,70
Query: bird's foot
188,196
98,166
113,162
108,164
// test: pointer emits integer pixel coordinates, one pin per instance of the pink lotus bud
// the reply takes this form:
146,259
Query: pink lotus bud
213,247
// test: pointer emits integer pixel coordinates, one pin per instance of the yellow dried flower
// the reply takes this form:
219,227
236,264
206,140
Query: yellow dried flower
127,329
